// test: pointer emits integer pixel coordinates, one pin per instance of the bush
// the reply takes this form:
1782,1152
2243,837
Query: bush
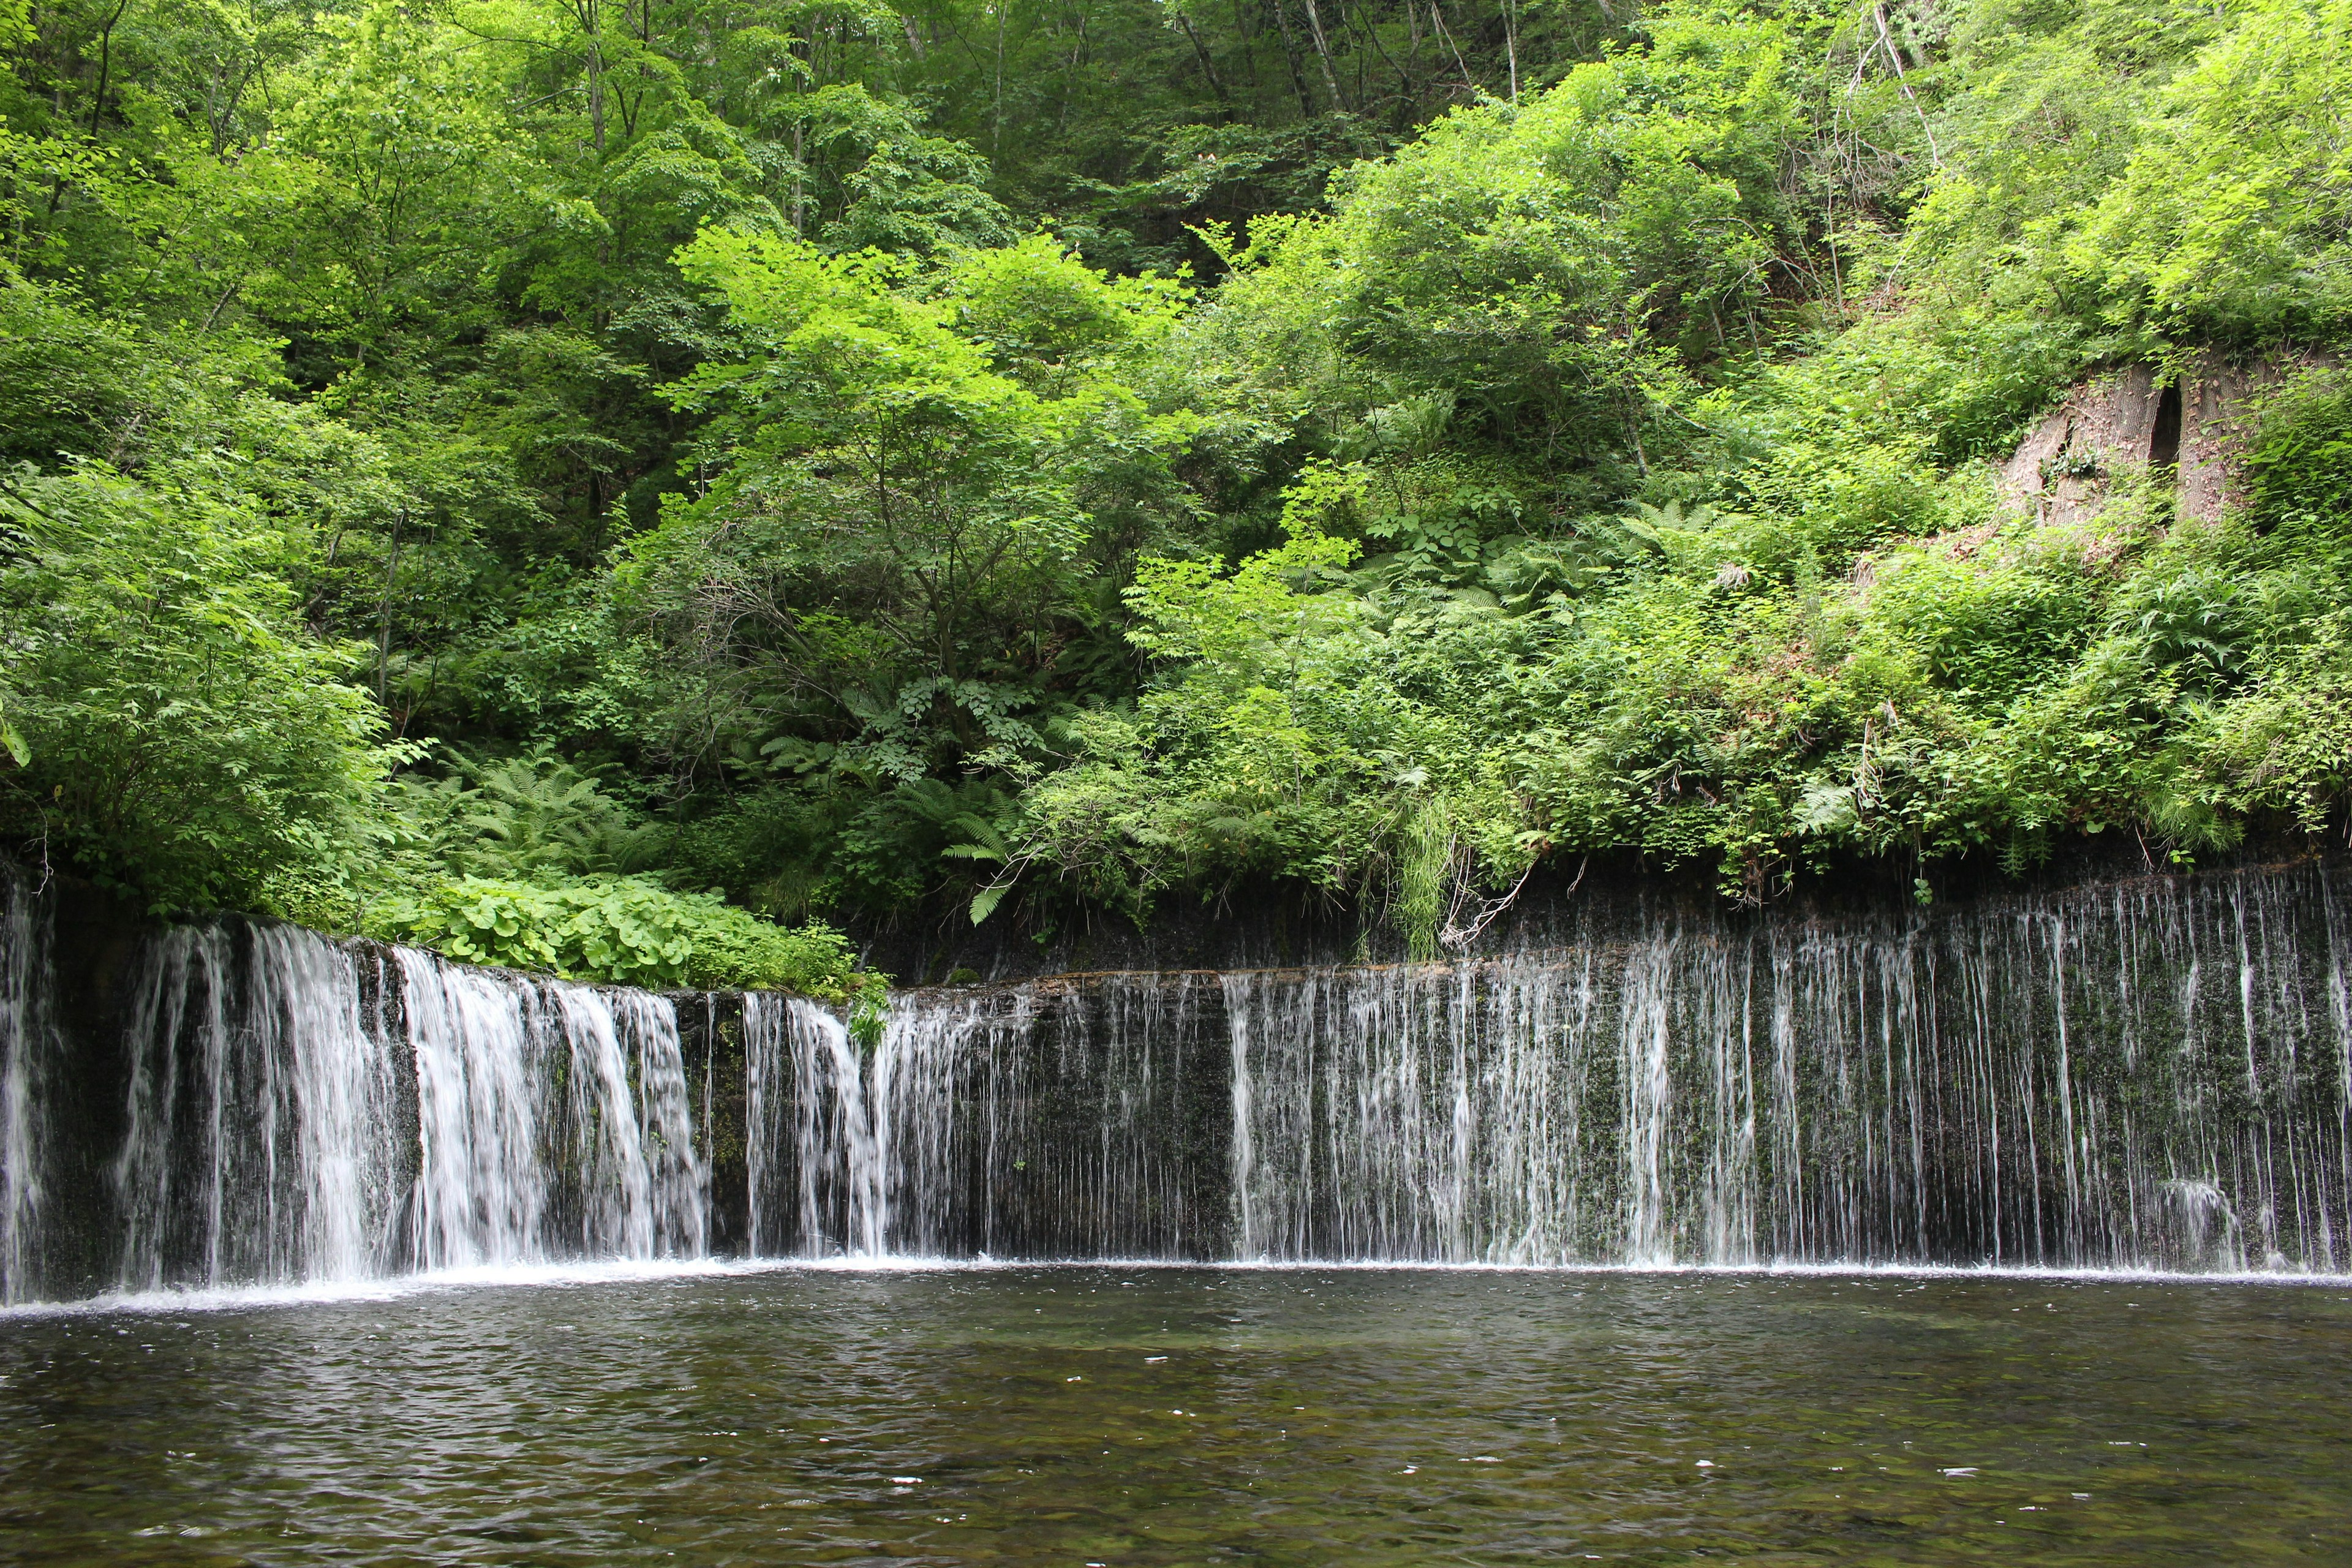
621,931
178,731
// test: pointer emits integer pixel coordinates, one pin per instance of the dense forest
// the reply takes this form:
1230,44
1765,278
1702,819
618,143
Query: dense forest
632,489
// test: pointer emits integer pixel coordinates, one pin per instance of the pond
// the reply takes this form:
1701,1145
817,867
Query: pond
1126,1415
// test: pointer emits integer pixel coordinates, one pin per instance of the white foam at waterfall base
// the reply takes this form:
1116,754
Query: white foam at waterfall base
572,1273
593,1274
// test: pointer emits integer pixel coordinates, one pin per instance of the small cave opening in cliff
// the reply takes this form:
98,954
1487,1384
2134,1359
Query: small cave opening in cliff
2164,442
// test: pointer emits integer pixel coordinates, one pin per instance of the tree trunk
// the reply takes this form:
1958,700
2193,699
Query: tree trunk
105,66
1437,17
1323,54
996,136
1290,48
1202,51
592,22
1511,43
383,637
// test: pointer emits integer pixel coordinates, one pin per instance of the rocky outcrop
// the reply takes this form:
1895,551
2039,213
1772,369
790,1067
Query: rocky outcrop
2194,427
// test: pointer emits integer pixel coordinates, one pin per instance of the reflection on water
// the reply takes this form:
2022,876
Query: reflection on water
1160,1415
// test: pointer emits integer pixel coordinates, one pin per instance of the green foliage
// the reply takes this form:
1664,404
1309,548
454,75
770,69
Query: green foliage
172,725
486,469
2299,471
621,931
892,572
2147,170
523,816
2231,217
1544,275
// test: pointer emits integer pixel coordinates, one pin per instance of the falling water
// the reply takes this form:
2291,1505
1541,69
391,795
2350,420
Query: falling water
2152,1074
289,1110
24,1050
481,1195
815,1171
2147,1074
260,1106
1052,1120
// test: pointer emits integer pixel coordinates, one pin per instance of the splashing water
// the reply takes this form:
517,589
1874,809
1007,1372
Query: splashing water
2150,1075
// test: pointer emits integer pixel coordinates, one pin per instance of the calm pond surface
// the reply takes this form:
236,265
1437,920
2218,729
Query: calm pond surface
1095,1415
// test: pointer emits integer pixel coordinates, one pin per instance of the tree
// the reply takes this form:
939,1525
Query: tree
896,512
185,737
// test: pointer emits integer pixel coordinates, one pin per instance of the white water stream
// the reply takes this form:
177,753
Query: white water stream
2153,1075
293,1111
24,1051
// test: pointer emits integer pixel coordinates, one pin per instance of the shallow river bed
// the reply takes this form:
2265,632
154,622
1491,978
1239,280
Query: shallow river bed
1154,1415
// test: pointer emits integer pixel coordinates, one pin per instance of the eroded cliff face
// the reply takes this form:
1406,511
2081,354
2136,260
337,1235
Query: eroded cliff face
2134,419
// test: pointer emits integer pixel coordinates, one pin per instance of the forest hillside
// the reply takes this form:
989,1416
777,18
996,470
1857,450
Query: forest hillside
634,490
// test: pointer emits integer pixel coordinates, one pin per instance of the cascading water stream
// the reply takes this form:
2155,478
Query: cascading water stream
816,1182
244,1159
290,1110
2150,1074
481,1196
24,1050
1045,1121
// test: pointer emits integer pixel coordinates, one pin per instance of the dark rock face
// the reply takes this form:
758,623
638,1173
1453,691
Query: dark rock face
1072,1117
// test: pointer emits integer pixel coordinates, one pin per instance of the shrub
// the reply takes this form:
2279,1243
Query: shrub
621,931
181,734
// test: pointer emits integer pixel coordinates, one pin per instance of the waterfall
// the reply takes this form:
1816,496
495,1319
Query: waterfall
553,1121
816,1182
480,1046
287,1109
1051,1120
2147,1074
25,1046
257,1110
